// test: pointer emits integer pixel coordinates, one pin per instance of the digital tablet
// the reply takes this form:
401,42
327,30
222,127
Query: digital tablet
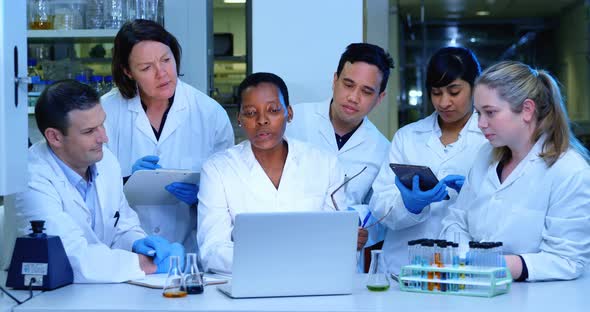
406,174
146,187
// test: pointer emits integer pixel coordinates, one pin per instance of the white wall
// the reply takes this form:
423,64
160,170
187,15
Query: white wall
13,118
190,23
302,40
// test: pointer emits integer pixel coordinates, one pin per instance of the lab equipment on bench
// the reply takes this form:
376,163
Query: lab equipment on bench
377,279
39,261
174,287
435,267
193,279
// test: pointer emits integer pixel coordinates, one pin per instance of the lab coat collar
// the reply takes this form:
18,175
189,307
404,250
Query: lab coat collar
176,116
325,127
531,157
430,123
45,153
327,130
173,121
250,160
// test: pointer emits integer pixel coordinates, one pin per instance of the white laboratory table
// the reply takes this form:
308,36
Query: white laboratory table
548,296
6,303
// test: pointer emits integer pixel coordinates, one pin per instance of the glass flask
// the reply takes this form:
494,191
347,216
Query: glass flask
193,280
174,287
377,279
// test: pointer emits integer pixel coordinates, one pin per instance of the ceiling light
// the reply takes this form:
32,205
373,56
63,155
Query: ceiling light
482,13
234,1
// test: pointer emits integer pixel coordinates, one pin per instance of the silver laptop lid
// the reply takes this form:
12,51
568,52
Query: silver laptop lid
294,253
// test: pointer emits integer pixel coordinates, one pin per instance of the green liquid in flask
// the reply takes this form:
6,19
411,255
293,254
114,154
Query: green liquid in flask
378,288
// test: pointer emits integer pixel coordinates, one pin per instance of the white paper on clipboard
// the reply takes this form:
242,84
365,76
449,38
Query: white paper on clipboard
146,187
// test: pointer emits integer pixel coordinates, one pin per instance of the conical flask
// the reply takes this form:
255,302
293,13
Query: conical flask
192,277
174,287
377,280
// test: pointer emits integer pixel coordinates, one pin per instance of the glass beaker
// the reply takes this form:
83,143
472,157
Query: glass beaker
377,280
192,277
174,287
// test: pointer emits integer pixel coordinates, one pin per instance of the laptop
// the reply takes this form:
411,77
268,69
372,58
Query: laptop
293,254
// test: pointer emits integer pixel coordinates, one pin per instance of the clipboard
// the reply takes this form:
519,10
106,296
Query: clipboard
157,281
146,187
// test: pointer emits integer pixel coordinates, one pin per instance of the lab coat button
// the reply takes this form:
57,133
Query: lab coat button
157,229
88,220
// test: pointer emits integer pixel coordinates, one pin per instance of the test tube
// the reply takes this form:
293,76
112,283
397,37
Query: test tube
411,260
429,261
442,246
500,260
455,264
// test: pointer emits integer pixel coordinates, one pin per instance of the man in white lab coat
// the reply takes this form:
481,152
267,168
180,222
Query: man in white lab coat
340,124
76,187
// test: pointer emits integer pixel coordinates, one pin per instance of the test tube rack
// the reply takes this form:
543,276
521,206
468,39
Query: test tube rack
464,280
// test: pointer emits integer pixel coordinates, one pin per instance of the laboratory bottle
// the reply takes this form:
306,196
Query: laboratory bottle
94,14
193,279
377,279
32,73
174,286
107,84
114,14
41,15
96,83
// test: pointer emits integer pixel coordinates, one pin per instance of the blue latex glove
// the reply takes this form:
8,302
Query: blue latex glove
176,249
149,162
186,192
153,246
415,199
454,181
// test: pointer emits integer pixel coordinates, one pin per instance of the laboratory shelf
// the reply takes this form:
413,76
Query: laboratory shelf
73,33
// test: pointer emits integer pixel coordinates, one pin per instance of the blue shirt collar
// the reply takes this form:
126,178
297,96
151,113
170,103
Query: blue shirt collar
72,175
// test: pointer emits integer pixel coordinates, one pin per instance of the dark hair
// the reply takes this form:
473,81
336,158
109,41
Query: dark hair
130,34
450,63
370,54
255,79
57,100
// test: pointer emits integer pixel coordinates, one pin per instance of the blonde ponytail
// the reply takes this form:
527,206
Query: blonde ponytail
515,82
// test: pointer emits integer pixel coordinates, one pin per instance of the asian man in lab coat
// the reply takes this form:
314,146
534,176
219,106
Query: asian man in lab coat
76,187
340,124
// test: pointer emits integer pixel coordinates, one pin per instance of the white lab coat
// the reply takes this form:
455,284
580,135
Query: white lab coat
367,146
99,255
233,182
196,128
540,213
419,144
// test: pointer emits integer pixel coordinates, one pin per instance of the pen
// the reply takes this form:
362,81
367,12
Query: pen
117,215
366,219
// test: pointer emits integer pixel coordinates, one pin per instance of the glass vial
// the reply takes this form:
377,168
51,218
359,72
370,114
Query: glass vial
174,287
192,277
377,280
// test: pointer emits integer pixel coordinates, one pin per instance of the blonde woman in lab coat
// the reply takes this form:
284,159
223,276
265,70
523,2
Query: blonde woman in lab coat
445,141
155,120
267,172
529,187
